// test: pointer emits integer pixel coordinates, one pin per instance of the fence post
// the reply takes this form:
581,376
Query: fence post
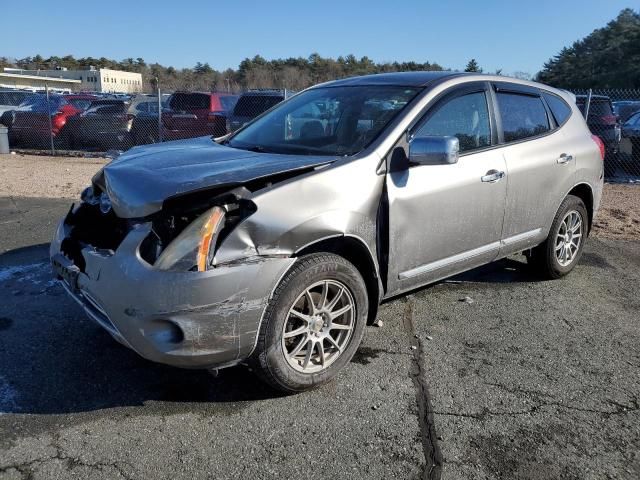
53,148
588,105
159,113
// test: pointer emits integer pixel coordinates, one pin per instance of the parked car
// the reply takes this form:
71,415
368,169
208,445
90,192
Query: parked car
188,115
146,105
604,123
250,105
31,126
631,130
275,249
193,114
104,125
10,99
625,108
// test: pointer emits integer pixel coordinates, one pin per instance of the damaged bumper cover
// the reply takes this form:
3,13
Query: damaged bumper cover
186,319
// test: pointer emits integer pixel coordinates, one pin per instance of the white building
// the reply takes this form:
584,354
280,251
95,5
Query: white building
38,82
90,80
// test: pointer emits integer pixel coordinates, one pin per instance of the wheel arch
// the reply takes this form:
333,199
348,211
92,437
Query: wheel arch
585,193
356,251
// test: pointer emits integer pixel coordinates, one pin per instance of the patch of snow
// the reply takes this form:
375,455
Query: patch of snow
36,273
8,397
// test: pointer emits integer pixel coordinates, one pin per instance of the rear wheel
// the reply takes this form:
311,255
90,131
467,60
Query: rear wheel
312,325
562,250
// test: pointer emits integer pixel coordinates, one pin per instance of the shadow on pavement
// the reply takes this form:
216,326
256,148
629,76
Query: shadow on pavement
55,360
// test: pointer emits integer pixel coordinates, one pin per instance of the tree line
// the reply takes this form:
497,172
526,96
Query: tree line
257,72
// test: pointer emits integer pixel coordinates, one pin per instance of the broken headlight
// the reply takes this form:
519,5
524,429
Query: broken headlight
194,247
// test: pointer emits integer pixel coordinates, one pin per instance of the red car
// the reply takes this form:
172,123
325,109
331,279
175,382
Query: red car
196,114
31,127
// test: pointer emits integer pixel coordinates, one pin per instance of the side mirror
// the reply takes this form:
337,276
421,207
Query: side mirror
433,150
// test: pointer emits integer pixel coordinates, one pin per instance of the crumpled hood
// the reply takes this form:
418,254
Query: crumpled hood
140,180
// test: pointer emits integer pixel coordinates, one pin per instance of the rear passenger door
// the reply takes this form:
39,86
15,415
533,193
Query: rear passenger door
539,163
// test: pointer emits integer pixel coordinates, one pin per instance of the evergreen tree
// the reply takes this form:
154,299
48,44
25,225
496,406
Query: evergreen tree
473,66
609,57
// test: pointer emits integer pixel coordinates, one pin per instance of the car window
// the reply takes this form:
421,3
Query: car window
560,110
190,101
633,120
598,107
39,103
80,103
13,99
324,120
228,102
254,105
465,117
106,108
523,116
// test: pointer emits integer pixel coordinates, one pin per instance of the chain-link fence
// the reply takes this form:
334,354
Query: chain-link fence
614,116
92,122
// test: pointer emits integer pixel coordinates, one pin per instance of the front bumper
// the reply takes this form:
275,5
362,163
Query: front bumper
185,319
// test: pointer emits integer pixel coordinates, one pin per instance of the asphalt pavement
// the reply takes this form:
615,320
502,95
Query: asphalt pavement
492,374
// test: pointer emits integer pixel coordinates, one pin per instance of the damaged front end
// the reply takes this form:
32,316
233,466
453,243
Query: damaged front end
153,282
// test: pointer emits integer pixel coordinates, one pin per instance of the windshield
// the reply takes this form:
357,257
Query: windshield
38,103
325,121
13,99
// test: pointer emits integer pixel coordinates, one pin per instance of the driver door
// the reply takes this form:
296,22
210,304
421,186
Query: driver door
444,219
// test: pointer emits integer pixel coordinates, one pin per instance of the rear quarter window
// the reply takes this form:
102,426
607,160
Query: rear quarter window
598,107
190,101
228,102
559,108
254,105
523,116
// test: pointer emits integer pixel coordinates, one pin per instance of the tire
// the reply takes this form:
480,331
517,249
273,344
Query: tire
294,364
548,258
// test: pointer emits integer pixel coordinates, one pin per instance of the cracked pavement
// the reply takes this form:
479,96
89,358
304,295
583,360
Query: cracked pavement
492,374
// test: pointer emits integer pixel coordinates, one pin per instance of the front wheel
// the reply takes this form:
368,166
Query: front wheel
312,325
562,250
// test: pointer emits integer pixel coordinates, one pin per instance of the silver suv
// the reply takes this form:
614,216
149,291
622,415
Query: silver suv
273,246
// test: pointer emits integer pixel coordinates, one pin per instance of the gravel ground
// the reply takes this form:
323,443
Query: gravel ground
46,177
619,214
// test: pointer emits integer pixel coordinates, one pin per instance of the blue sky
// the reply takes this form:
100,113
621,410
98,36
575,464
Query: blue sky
512,35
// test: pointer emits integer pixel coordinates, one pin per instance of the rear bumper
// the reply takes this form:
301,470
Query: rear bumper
29,137
185,319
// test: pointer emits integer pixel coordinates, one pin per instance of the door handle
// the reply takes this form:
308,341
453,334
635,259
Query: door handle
492,176
564,158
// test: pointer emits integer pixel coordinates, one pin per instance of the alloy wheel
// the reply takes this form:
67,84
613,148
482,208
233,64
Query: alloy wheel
318,326
569,238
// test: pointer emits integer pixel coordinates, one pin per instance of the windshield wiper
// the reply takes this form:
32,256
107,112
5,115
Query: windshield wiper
256,148
249,148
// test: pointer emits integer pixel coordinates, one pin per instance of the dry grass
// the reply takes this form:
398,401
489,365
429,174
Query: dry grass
65,177
619,214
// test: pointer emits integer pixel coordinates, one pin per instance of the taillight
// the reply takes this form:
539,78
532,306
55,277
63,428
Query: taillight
58,120
600,144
